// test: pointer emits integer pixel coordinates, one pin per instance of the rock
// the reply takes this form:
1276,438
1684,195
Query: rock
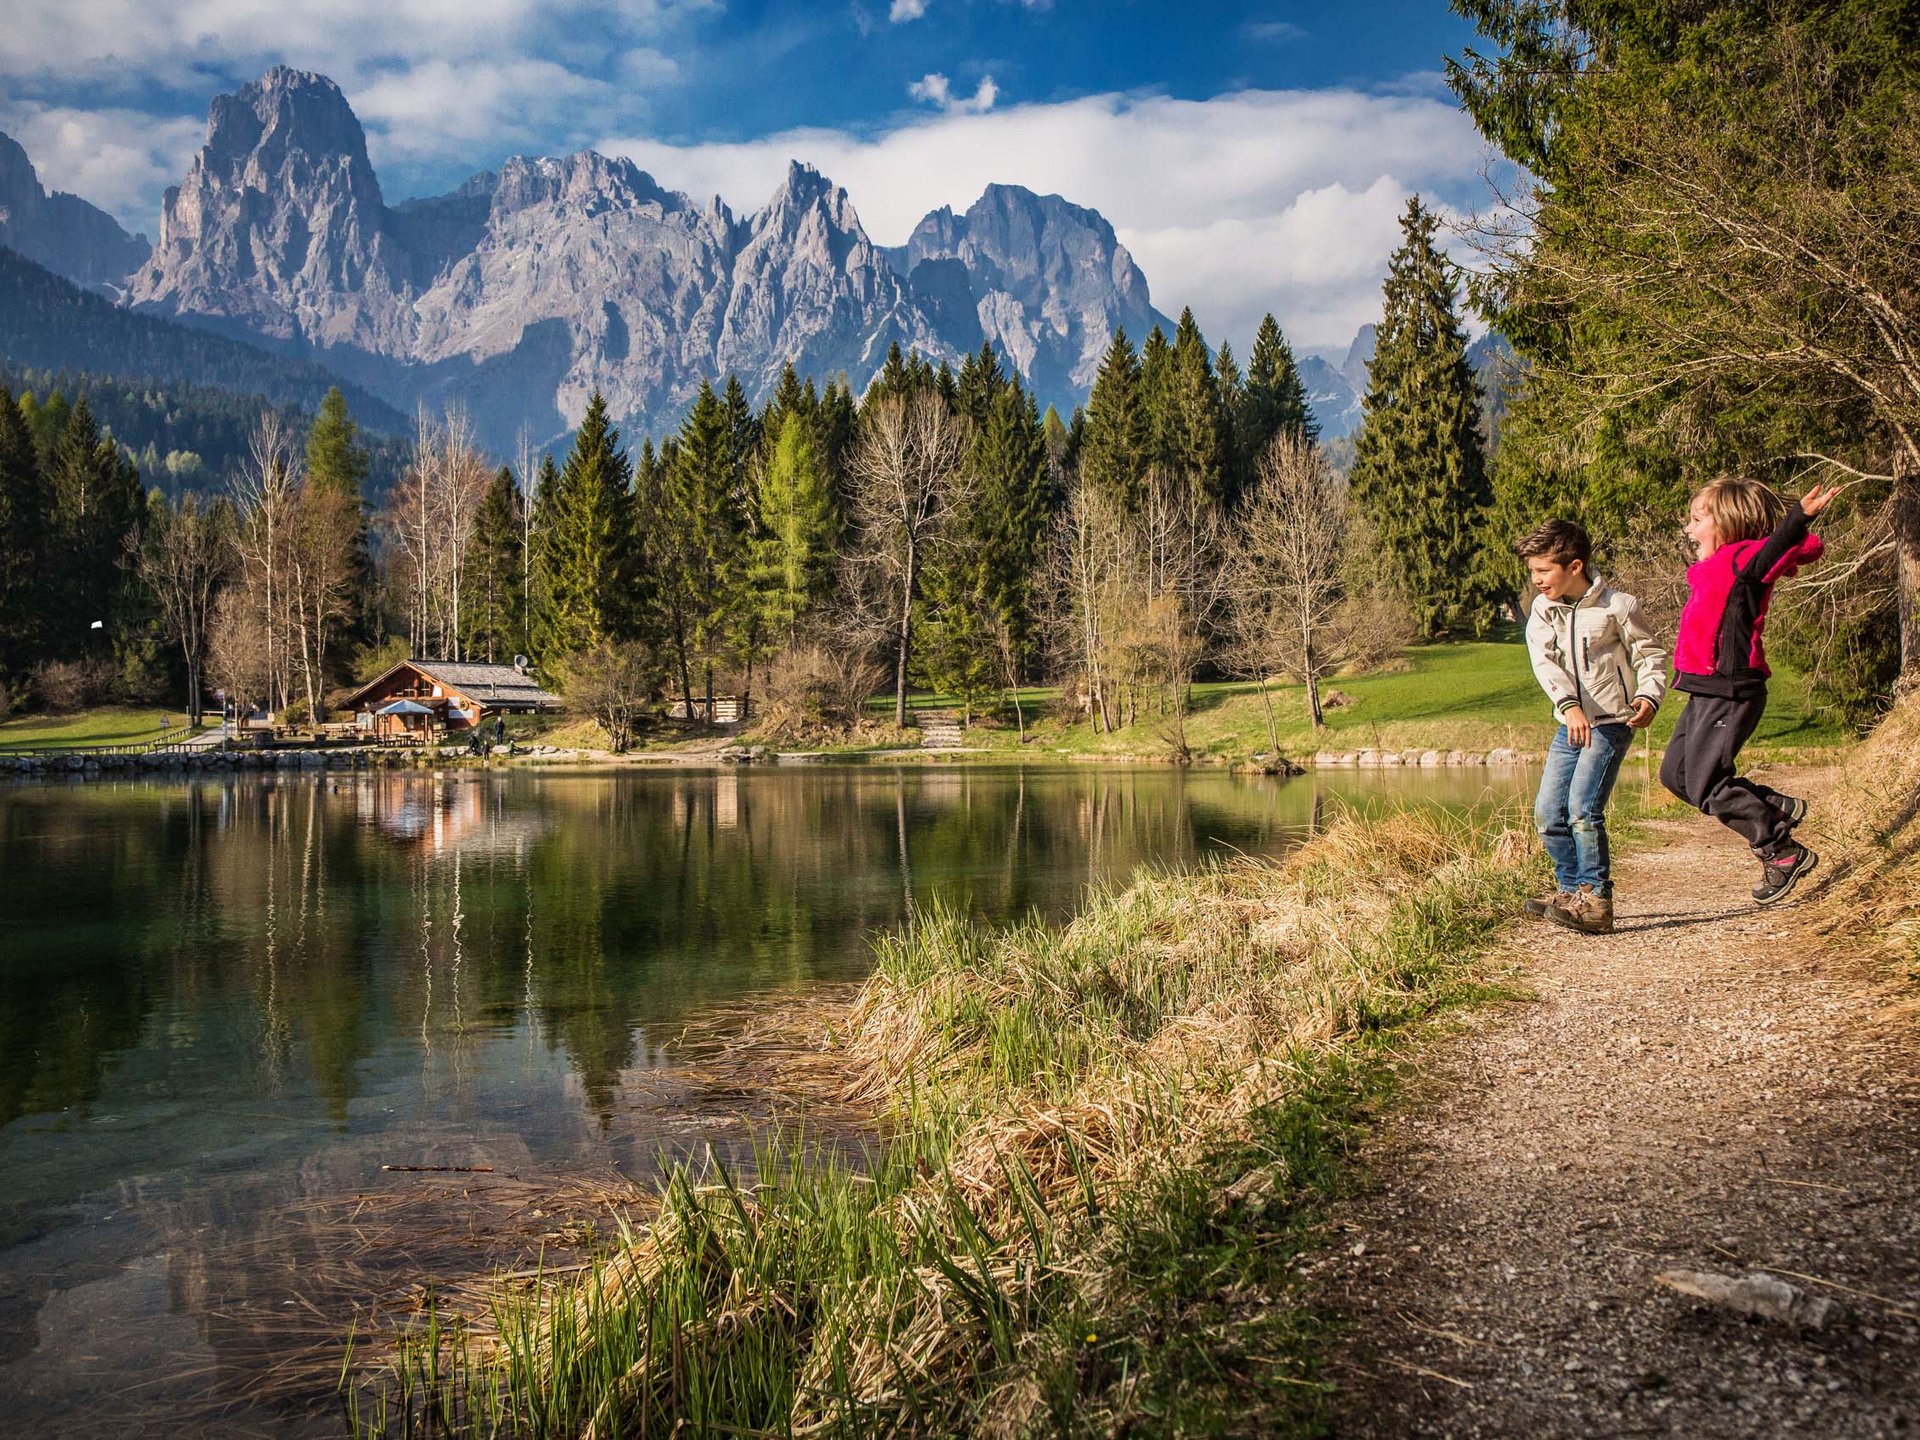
62,232
1430,759
524,290
1368,759
1503,756
1456,758
1335,700
1757,1294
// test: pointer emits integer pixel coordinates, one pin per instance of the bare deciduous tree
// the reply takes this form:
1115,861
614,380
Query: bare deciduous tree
909,476
429,520
184,555
1294,607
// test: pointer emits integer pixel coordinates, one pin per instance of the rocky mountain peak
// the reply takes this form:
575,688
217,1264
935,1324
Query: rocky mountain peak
64,233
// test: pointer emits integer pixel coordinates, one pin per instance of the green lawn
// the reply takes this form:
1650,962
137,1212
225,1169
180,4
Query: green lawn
102,725
1476,696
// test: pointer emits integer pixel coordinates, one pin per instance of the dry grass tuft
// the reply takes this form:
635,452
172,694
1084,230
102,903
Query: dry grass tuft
1873,898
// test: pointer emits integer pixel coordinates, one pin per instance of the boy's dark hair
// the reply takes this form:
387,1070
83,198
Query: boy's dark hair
1561,541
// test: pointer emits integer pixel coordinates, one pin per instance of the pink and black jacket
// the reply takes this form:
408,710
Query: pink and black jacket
1719,650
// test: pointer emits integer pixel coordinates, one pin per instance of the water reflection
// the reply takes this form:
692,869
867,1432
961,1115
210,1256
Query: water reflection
224,1000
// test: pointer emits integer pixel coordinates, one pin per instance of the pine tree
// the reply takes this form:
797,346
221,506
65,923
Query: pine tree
794,554
1196,427
1274,401
789,398
97,504
492,612
1113,447
980,383
708,527
26,506
337,463
1418,469
1156,401
587,575
1014,489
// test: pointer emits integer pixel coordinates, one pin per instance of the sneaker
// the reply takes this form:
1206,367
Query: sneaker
1588,913
1780,872
1793,807
1542,907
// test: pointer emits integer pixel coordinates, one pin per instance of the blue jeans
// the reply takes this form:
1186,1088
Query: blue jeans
1571,809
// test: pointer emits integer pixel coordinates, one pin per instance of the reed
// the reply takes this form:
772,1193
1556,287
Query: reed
1103,1143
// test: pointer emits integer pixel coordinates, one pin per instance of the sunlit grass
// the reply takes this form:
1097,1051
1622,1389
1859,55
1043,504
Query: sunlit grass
101,725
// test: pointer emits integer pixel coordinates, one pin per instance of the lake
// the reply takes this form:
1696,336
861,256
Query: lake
227,1003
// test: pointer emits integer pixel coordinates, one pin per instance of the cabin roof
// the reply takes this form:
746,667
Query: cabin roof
499,686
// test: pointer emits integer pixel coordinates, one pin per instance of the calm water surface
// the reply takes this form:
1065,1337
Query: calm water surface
226,1003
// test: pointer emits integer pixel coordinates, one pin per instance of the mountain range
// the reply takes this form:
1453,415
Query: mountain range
527,288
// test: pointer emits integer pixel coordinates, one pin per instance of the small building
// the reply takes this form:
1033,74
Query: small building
425,698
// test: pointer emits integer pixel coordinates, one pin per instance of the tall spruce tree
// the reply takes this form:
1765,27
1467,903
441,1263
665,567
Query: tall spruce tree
1274,401
587,573
1014,485
492,608
337,463
1157,402
794,551
1418,468
1195,423
26,506
1113,445
97,506
708,525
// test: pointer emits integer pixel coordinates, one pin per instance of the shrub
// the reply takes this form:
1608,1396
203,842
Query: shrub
64,686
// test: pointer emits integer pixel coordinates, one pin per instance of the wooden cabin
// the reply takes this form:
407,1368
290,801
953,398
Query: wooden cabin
424,699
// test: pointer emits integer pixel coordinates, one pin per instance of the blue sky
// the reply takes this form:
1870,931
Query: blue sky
1252,156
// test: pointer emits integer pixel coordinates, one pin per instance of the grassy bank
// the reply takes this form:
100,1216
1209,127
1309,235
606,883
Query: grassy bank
102,725
1105,1143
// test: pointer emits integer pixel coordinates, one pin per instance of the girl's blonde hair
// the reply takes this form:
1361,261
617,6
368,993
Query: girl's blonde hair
1740,509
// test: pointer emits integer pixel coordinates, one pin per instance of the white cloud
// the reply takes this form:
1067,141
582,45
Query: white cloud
180,40
902,11
119,160
936,90
1277,32
438,109
1254,201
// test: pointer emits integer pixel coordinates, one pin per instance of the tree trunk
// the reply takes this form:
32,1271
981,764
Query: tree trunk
906,642
1906,547
1273,730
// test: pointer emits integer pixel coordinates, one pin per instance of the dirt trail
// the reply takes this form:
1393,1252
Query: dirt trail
1702,1090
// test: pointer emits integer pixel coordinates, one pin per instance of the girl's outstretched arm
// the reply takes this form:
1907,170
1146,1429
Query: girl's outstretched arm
1819,497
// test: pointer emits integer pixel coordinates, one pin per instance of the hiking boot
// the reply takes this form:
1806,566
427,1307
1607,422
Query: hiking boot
1781,871
1791,806
1587,912
1543,906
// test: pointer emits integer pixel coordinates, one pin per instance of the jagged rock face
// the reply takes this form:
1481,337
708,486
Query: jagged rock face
279,224
525,290
1050,280
60,231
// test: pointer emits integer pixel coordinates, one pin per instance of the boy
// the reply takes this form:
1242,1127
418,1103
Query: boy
1605,673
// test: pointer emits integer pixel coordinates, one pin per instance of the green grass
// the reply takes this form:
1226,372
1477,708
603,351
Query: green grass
1475,696
102,725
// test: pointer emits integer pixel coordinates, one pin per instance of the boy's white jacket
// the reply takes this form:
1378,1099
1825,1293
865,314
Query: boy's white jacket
1596,652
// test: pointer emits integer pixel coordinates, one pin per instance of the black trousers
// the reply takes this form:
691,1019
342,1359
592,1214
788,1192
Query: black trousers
1699,768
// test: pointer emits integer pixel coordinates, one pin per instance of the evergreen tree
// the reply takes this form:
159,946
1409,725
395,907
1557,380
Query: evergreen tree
26,507
492,609
587,574
1274,401
788,398
1113,447
1418,469
794,554
337,463
1157,402
1196,427
980,383
97,505
708,527
1014,486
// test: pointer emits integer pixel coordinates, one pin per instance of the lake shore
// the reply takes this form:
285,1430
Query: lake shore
1113,1149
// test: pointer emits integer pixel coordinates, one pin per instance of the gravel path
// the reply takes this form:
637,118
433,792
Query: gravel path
1704,1090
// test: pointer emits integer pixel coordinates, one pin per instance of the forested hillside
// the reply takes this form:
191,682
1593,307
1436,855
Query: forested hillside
50,324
